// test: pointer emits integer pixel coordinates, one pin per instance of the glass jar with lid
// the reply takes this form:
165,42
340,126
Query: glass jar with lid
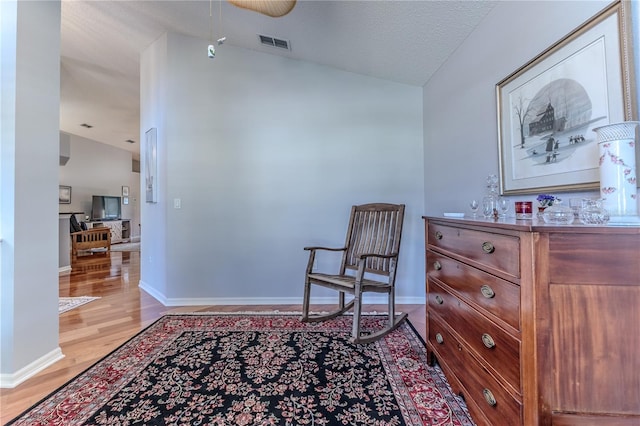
592,212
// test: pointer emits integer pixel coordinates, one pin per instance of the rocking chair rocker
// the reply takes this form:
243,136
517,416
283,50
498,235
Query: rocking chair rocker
371,247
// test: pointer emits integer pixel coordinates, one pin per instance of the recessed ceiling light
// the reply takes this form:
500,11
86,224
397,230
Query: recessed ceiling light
130,141
88,126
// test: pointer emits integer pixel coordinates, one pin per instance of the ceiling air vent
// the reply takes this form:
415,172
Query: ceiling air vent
274,42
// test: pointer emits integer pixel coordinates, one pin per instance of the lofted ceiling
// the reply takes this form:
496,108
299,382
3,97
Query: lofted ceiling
402,41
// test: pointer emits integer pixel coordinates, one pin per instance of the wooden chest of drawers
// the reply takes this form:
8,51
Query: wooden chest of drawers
535,324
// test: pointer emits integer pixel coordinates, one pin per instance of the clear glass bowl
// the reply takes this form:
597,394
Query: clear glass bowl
558,214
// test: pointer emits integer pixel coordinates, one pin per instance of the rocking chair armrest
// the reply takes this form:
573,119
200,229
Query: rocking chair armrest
312,255
384,256
326,248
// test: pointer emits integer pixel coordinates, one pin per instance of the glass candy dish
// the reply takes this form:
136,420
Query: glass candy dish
558,214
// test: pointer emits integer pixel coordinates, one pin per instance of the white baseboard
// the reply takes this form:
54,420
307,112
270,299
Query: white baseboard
152,292
205,301
14,379
64,270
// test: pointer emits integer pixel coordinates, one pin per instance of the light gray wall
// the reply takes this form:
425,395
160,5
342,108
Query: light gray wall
267,155
28,201
461,138
95,168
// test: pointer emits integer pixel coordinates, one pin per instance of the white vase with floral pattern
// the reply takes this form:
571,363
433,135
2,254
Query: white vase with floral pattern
618,185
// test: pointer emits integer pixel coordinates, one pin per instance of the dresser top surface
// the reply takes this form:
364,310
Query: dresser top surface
535,225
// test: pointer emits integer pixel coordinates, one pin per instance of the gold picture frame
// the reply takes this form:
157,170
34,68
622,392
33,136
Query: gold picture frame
548,108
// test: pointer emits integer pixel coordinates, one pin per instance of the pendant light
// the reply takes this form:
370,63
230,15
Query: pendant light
211,49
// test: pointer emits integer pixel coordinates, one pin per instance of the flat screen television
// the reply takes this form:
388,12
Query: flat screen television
105,207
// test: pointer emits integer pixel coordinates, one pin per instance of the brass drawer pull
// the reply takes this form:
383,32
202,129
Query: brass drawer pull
439,299
439,338
488,341
488,396
488,247
487,291
438,235
437,265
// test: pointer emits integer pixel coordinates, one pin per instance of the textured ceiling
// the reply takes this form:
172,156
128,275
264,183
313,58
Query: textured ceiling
402,41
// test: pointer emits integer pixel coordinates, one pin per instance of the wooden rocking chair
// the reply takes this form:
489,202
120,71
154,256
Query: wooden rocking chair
372,246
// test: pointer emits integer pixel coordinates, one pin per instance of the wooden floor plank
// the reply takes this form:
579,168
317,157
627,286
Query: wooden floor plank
93,330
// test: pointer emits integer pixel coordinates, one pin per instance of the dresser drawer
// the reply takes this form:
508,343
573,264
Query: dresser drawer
497,251
498,348
497,296
479,386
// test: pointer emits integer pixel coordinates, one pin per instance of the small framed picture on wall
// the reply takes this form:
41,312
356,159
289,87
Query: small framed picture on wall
125,191
64,194
125,200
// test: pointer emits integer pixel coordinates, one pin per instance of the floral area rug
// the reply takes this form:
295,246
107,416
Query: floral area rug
256,369
68,303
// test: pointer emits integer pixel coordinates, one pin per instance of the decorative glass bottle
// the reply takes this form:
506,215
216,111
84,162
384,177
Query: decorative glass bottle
490,201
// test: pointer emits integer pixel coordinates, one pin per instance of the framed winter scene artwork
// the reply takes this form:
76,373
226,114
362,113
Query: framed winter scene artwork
548,108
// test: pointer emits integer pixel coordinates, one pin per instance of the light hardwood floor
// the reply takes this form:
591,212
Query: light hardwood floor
91,331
